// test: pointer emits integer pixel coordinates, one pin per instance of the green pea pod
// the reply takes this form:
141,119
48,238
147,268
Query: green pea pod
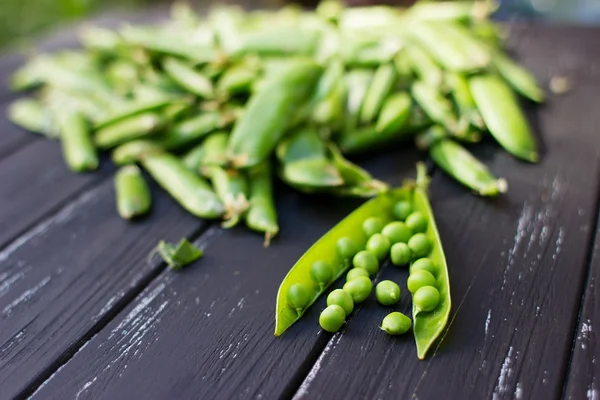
262,216
89,107
132,109
312,174
165,43
188,78
374,54
33,116
427,138
457,162
394,113
280,41
517,77
132,192
428,325
232,188
176,111
215,146
324,250
238,79
490,33
444,49
136,127
464,100
194,158
503,116
459,11
357,83
131,152
460,36
226,21
99,39
77,145
269,113
329,80
301,144
381,85
357,181
423,66
122,75
191,130
437,107
191,191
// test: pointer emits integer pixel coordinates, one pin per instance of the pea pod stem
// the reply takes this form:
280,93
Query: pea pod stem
132,192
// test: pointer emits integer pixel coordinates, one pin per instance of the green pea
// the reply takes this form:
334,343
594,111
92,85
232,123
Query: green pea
418,279
298,297
346,247
387,293
332,318
397,232
321,273
400,254
416,222
419,245
355,273
379,245
372,226
367,261
401,210
342,299
426,298
396,323
424,264
359,288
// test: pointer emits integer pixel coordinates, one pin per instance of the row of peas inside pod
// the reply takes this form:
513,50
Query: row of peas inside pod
213,106
398,225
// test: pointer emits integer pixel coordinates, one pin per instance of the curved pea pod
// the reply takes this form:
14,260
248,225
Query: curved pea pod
394,113
132,192
215,146
136,127
33,116
460,11
132,109
232,188
262,216
77,145
443,48
194,158
357,181
428,325
437,107
269,113
381,85
192,129
238,79
191,191
188,78
325,250
464,100
280,41
457,162
357,83
517,77
423,65
132,152
373,54
503,116
460,36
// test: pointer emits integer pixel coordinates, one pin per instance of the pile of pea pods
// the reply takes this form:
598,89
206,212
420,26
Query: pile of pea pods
213,107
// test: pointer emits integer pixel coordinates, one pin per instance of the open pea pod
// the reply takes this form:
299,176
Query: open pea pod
428,325
325,250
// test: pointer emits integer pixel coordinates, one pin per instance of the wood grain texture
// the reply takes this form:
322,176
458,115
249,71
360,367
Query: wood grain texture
207,332
59,280
516,268
584,369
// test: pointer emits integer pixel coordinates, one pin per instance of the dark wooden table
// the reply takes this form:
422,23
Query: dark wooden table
83,314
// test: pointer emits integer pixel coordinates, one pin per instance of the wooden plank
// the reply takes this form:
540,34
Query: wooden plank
516,267
584,370
35,183
207,332
68,275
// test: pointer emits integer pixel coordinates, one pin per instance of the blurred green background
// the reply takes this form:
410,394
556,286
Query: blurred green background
22,20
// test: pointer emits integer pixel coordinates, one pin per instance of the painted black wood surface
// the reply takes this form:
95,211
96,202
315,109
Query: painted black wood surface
84,315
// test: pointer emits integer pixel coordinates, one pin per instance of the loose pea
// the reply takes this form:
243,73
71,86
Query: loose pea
367,261
359,288
416,222
355,273
342,299
426,298
298,297
346,247
397,232
321,273
419,245
402,209
418,279
379,245
396,323
387,293
424,264
372,226
332,318
400,254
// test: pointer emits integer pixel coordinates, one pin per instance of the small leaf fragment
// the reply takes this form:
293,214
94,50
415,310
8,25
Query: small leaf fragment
180,255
